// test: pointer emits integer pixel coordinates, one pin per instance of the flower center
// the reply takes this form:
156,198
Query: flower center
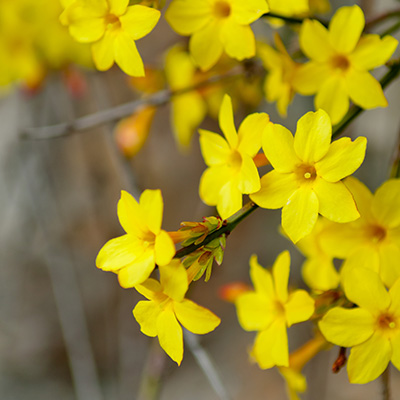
112,21
235,160
387,322
306,173
340,62
279,309
222,9
377,233
148,239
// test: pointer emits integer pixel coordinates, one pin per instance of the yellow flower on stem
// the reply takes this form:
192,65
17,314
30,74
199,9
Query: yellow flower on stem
373,241
167,308
216,26
307,174
270,309
134,255
112,26
340,61
231,171
372,330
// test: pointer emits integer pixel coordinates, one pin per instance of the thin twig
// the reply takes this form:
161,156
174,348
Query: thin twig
385,377
381,18
115,113
293,20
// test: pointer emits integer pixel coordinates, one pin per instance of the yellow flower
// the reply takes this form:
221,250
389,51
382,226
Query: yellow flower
372,330
373,241
289,7
318,270
216,26
112,26
281,68
133,256
167,305
231,171
340,62
308,173
270,309
189,108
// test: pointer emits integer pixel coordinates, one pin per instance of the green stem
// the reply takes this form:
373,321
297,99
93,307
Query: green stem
354,111
228,226
292,20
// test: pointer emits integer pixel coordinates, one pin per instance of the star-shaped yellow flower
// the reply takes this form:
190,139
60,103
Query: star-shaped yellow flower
372,330
270,309
216,26
134,255
112,26
231,171
340,61
307,174
167,307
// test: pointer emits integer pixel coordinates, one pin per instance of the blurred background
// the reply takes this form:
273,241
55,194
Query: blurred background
66,328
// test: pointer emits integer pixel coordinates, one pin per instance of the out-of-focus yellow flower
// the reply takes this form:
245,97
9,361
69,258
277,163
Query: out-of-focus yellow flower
340,61
270,309
231,171
134,255
112,26
131,133
319,6
373,241
289,7
216,26
189,108
167,305
281,68
307,174
318,270
372,330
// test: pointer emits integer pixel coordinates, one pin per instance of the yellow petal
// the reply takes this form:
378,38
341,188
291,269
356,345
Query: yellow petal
254,311
276,189
170,335
230,200
214,148
299,308
138,271
373,51
368,360
250,133
389,256
394,293
364,288
211,183
345,28
103,51
150,289
138,21
396,351
238,40
179,68
118,253
319,273
187,17
164,248
314,41
342,159
278,146
127,56
87,30
386,203
117,7
362,196
271,346
309,77
151,207
362,257
174,280
249,180
300,214
205,46
313,136
335,201
245,13
194,318
130,215
333,98
347,328
227,123
146,314
280,273
262,279
365,90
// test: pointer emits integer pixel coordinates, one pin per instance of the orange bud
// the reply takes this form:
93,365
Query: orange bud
231,291
260,160
152,82
131,133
